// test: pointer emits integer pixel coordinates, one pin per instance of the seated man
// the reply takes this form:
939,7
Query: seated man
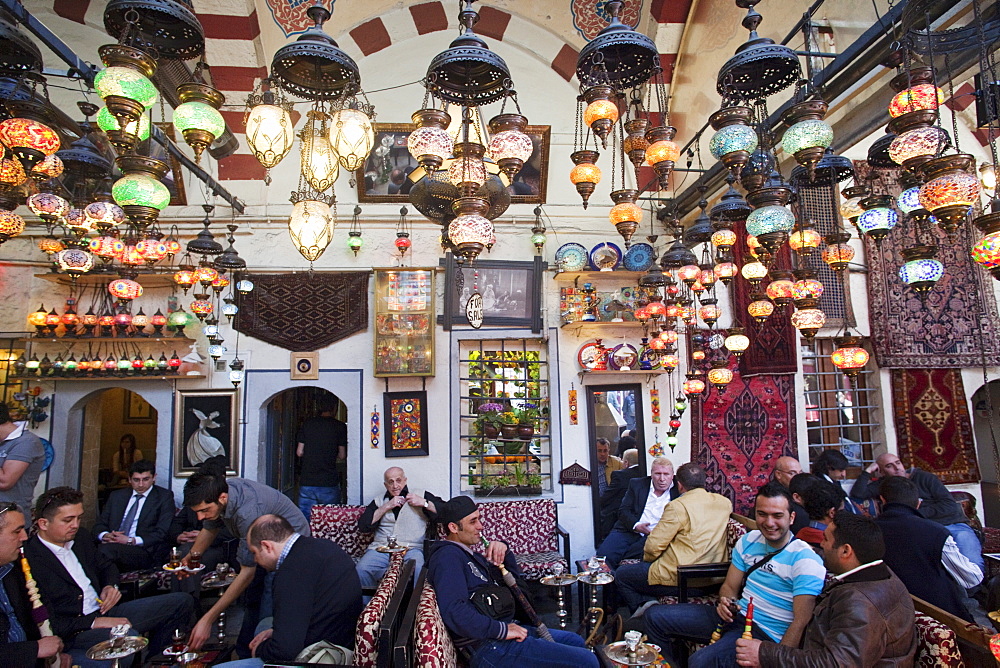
936,502
400,512
922,552
863,618
133,525
692,530
463,578
606,465
786,468
611,500
317,595
821,500
79,584
831,465
184,531
781,573
639,512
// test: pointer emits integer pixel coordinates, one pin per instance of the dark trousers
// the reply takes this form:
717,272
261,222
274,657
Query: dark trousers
621,544
127,557
633,585
670,625
158,616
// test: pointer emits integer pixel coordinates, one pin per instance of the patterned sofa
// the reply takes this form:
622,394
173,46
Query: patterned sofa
530,528
340,524
937,645
373,635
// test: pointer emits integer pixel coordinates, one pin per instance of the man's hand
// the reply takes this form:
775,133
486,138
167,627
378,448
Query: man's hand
201,632
644,528
872,469
416,501
109,598
187,537
725,609
109,622
49,646
394,502
748,652
515,632
108,537
495,552
258,639
65,661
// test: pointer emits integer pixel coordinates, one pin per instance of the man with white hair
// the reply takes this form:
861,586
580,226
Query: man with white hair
639,512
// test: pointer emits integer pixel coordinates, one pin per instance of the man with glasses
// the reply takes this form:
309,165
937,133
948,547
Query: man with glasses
21,459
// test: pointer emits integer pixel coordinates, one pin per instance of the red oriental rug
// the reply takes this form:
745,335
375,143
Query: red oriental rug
737,436
932,423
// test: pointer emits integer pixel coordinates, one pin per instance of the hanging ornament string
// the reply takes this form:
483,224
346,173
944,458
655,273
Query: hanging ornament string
656,449
573,415
376,421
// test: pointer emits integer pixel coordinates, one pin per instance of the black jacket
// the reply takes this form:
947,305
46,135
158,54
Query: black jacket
935,499
154,518
611,500
317,596
19,654
634,502
60,593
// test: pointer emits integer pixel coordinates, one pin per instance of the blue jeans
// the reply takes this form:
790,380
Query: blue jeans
310,496
373,564
254,662
633,585
667,625
968,543
568,650
621,544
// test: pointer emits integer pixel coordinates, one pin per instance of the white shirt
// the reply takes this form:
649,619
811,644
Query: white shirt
653,510
135,520
17,432
68,559
855,570
958,565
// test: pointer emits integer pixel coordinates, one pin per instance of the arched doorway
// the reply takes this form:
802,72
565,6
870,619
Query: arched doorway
986,428
285,413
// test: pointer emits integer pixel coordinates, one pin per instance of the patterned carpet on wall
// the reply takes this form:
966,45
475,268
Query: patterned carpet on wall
304,311
738,435
955,327
933,428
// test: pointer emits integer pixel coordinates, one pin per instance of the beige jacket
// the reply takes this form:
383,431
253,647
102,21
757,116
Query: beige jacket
692,530
614,464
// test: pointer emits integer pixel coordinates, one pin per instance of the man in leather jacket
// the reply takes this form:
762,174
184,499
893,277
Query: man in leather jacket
864,617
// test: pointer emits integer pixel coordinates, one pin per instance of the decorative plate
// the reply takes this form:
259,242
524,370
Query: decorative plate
638,258
571,257
605,256
587,356
623,357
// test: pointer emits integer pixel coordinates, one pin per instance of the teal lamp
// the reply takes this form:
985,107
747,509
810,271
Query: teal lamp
808,136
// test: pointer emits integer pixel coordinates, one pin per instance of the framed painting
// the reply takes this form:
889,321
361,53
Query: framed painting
511,292
404,322
384,176
206,424
136,409
404,415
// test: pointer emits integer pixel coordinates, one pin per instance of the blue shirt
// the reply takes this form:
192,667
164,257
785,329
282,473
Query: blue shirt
796,571
288,548
16,632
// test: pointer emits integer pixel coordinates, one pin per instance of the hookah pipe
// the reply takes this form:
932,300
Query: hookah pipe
508,579
747,630
39,614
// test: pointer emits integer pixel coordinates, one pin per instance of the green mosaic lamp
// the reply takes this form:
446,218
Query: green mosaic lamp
198,117
123,140
140,192
125,84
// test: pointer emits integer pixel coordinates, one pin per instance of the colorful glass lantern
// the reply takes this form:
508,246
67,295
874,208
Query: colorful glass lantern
768,219
635,142
236,373
849,356
104,214
78,221
206,275
809,136
468,171
662,153
11,172
753,246
352,137
920,270
734,139
781,288
311,227
915,147
48,245
806,286
135,131
908,201
29,141
131,256
693,386
355,241
656,310
585,175
471,232
986,252
198,117
668,336
230,309
178,319
707,276
737,341
201,306
689,273
724,239
125,84
125,290
37,320
74,261
220,283
48,206
838,253
510,148
709,312
657,344
625,215
140,192
184,277
921,97
641,314
754,272
244,286
12,225
851,207
878,219
151,250
809,319
951,191
319,161
50,167
601,112
669,362
760,308
804,240
173,364
725,272
720,375
430,144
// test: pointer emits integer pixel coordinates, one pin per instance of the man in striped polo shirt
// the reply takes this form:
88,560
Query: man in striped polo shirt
780,573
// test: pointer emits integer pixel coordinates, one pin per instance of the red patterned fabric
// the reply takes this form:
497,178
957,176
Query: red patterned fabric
431,643
340,524
737,436
932,423
528,527
937,646
366,634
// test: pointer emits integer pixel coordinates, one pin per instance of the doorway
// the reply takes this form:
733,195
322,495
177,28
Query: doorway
286,412
612,409
986,430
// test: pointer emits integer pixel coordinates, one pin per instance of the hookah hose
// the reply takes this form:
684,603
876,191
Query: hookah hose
508,579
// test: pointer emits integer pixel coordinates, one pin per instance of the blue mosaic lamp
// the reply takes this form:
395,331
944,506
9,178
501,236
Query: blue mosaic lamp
909,200
921,271
734,139
771,218
808,136
878,219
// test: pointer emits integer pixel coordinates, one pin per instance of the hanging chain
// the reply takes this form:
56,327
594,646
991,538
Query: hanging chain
951,96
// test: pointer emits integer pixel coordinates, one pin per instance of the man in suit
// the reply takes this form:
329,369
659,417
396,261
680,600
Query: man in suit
79,585
639,512
611,500
133,526
317,593
21,643
692,530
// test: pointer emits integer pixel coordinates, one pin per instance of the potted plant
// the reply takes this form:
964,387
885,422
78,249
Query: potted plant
527,415
488,420
508,425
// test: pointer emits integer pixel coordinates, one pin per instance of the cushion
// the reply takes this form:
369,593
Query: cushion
537,566
936,645
366,633
734,531
528,526
431,643
340,524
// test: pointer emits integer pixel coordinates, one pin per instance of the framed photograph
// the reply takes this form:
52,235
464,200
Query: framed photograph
305,366
404,415
205,425
137,410
383,177
511,291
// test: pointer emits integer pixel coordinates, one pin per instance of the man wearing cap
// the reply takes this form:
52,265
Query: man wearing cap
462,578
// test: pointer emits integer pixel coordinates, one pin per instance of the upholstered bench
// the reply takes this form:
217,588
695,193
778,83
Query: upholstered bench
937,645
432,646
340,524
373,635
530,528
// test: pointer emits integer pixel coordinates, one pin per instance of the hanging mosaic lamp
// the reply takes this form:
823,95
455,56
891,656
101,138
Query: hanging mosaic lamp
724,239
760,308
737,341
804,239
123,140
509,147
107,247
48,245
879,218
808,318
734,140
140,192
11,225
310,227
125,84
851,207
236,372
198,117
320,166
201,307
105,214
468,171
625,215
585,175
11,172
351,136
74,261
29,141
921,271
125,290
184,276
662,153
725,271
950,191
693,386
50,167
152,249
601,112
913,148
917,98
770,221
754,272
838,253
430,144
806,287
471,232
849,356
635,143
720,375
269,128
809,135
49,207
780,289
709,312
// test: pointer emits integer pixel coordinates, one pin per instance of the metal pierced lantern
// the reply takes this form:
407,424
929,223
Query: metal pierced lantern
269,132
809,320
585,175
198,117
11,225
830,170
171,28
625,215
734,140
510,147
731,207
921,271
737,341
29,141
319,161
849,356
950,192
125,290
311,228
760,67
313,67
430,144
352,137
619,55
